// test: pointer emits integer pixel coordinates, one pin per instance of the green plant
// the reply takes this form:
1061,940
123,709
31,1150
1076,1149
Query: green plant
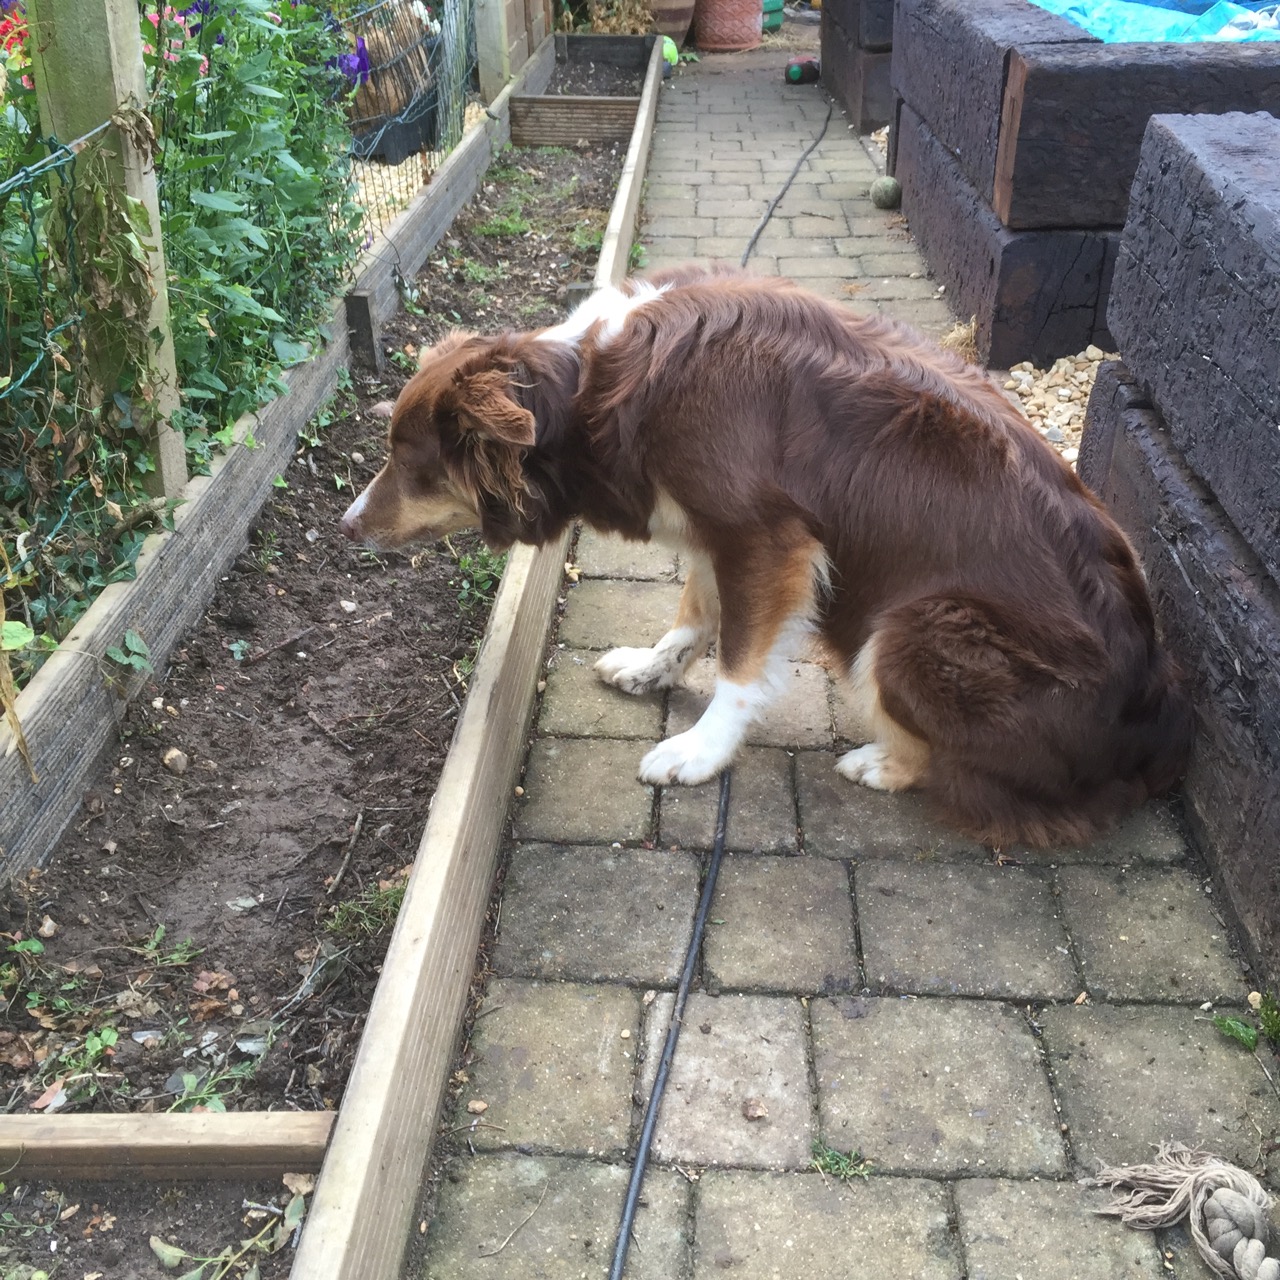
477,272
134,655
403,360
208,1089
505,224
371,912
241,1261
830,1161
479,572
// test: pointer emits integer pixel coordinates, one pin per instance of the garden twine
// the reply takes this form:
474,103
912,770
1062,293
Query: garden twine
1227,1207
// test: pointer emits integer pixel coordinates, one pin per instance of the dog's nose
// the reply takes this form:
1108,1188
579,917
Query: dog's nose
349,526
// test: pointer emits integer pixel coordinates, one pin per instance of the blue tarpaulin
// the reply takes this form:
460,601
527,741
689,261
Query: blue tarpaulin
1180,21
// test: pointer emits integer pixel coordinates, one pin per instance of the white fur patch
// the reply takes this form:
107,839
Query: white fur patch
611,306
643,670
356,509
668,523
866,765
703,751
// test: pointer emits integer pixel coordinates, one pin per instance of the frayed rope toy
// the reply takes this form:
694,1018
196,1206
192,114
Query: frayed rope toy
1227,1207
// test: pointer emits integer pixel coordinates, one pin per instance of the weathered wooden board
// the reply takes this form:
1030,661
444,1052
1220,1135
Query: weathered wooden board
857,79
868,24
949,61
1219,611
1036,295
564,120
609,51
360,1215
244,1146
1195,305
1068,156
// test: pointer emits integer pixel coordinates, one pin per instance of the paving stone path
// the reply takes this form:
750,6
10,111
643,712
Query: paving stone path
984,1034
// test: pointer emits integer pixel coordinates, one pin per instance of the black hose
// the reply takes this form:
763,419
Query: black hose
673,1034
777,200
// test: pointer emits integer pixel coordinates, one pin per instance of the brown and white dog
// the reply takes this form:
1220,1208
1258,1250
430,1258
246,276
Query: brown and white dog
821,473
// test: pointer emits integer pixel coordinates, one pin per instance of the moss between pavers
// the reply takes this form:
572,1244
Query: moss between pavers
934,1087
733,1050
596,914
570,1210
1148,934
760,1226
553,1065
963,930
1051,1231
1133,1076
781,924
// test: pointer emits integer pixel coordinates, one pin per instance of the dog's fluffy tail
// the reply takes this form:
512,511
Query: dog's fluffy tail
1152,747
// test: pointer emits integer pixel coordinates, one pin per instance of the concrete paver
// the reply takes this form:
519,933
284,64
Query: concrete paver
963,930
1132,1076
762,811
737,1054
601,555
554,1066
562,916
934,1087
578,1204
585,792
1148,934
759,1226
1049,1230
781,924
579,704
603,613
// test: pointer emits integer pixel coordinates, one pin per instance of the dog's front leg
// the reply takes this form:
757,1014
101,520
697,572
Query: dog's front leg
767,596
643,670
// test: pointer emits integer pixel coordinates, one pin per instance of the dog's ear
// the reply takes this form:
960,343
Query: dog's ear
484,404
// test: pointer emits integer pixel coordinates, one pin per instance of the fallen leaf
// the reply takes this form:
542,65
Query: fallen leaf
52,1098
754,1109
169,1254
301,1184
133,1004
203,1010
211,980
1082,998
69,1212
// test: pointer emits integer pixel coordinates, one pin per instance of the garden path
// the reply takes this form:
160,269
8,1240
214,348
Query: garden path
983,1033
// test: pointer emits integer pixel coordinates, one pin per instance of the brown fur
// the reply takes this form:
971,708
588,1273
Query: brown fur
1015,674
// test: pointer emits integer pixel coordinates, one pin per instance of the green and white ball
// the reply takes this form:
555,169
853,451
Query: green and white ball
886,193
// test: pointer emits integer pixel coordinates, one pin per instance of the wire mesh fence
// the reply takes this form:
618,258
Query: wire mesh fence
413,68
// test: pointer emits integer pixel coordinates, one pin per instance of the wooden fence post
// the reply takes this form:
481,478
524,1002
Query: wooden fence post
87,59
493,47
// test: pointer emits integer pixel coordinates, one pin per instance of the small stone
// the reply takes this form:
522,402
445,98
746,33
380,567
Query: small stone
1070,455
886,193
382,409
348,606
312,535
477,1107
357,457
624,1034
519,791
754,1109
1054,435
176,761
47,927
1255,1000
1092,353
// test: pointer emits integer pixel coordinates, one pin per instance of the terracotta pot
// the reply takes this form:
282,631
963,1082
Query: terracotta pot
726,26
672,18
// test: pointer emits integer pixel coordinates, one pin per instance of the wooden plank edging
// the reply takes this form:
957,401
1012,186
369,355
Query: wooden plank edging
248,1145
359,1221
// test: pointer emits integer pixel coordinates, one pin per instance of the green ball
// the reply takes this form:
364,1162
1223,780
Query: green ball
886,193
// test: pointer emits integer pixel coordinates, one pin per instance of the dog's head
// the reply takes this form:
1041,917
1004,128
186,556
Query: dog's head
454,451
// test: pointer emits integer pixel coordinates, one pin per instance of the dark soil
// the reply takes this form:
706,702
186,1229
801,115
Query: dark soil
597,80
212,927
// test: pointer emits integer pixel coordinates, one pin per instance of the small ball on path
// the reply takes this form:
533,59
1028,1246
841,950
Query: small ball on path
886,193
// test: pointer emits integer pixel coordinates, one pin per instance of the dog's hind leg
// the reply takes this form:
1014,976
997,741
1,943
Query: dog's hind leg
894,759
643,670
767,584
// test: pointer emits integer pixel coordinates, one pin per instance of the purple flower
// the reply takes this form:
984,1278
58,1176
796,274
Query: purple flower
355,66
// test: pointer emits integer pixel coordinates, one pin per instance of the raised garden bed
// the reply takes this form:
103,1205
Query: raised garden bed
592,97
294,763
1180,441
1016,138
857,49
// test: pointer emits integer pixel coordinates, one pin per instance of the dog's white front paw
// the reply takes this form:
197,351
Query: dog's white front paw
866,765
688,758
637,670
